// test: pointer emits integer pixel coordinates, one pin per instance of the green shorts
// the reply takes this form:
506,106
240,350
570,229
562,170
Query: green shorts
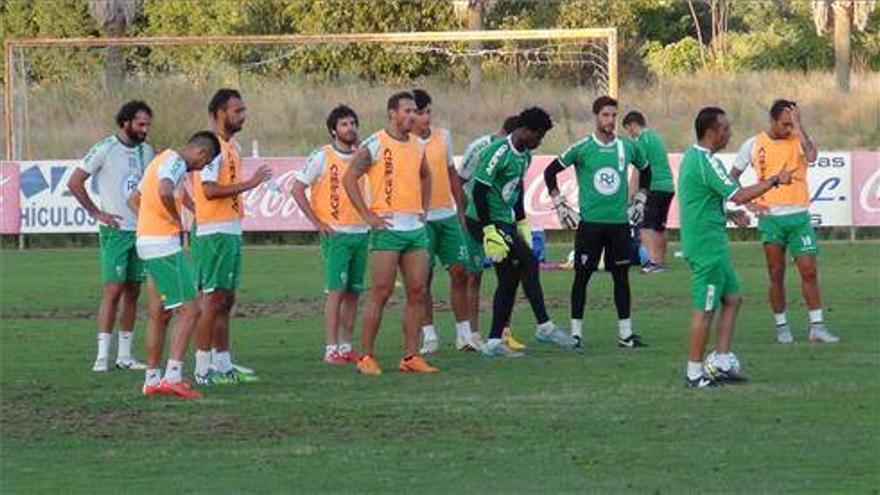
398,240
119,259
172,278
476,255
446,241
793,232
345,261
218,261
711,280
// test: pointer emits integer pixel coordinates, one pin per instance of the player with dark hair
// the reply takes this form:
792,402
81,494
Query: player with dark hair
474,265
400,192
218,240
445,220
600,161
661,190
703,187
116,165
171,288
344,234
784,220
497,219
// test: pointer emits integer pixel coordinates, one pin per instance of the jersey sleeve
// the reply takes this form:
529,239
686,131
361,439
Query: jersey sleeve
639,155
744,155
211,172
717,179
471,158
313,169
372,145
173,170
570,155
94,159
491,165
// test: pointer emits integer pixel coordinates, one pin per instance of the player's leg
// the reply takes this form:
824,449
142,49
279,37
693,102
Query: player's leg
335,256
127,315
731,300
474,267
345,334
211,304
430,340
707,285
110,296
452,251
587,250
803,244
357,267
332,322
157,322
699,331
414,272
179,294
114,263
617,260
383,271
508,276
773,236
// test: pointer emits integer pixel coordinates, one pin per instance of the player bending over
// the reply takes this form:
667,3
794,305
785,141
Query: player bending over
344,234
703,187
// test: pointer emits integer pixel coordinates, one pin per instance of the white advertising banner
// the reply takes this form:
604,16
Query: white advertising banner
47,206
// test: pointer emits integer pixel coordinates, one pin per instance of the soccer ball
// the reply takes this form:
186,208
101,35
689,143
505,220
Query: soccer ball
710,366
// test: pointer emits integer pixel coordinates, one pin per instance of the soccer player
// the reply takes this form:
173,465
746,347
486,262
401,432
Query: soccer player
703,187
170,287
218,240
661,190
344,234
785,220
400,192
600,162
117,164
445,219
496,218
474,265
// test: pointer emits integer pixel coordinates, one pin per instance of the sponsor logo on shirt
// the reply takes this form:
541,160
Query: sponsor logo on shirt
606,181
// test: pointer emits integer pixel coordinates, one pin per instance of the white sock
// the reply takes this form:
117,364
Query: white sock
104,345
723,360
222,361
577,327
780,319
494,342
153,376
123,353
344,347
694,370
429,332
816,316
547,326
463,329
203,362
329,349
624,328
174,371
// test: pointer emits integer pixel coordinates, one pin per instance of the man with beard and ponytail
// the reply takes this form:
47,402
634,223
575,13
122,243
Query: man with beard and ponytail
217,243
344,233
116,165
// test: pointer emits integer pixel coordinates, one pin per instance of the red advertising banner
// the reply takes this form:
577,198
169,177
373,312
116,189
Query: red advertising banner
10,198
866,188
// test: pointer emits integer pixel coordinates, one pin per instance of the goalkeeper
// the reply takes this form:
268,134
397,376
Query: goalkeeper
496,218
600,161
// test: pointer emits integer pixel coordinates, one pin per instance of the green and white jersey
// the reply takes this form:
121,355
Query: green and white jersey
652,146
603,190
471,159
501,167
703,187
116,171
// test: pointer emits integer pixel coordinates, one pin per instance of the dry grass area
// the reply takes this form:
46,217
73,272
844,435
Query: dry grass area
287,116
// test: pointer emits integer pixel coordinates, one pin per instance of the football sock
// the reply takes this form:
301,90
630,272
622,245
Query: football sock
429,332
173,371
123,352
816,316
463,329
104,344
222,361
694,370
153,376
780,319
329,349
545,327
577,326
624,328
203,362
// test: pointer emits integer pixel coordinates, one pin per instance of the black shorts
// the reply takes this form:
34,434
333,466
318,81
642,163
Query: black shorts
519,249
615,239
657,210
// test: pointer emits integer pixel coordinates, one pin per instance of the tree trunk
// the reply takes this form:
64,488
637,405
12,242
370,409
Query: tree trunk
842,40
114,65
475,23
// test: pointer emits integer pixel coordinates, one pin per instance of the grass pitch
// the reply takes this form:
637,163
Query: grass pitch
604,420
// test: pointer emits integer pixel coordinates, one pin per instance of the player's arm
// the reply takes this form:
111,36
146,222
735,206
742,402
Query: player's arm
187,201
425,181
299,195
722,183
360,163
166,196
550,173
134,201
807,144
77,186
567,217
213,190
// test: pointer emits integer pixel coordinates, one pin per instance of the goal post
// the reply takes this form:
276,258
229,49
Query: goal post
601,58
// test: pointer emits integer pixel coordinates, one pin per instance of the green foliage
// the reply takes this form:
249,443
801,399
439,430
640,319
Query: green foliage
680,57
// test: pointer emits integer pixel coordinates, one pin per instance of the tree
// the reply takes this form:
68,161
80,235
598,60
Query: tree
843,15
113,17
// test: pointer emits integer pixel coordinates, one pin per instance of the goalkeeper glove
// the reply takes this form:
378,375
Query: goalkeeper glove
494,245
568,218
525,230
636,210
